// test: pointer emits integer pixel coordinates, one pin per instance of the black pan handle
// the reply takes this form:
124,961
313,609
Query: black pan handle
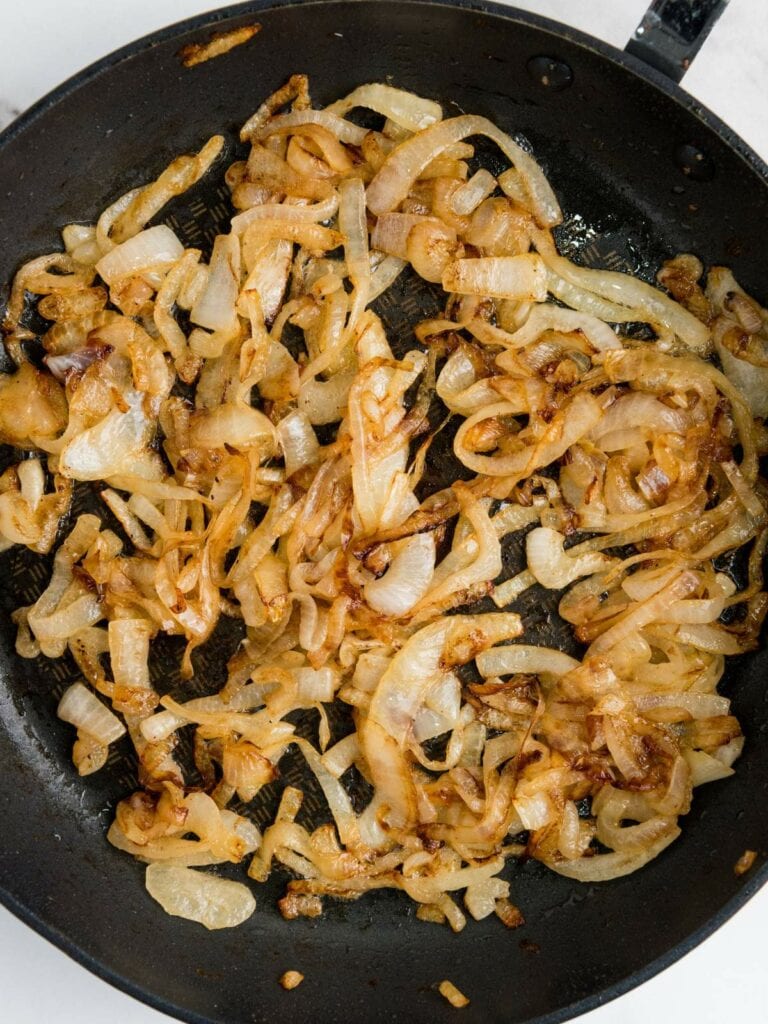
672,32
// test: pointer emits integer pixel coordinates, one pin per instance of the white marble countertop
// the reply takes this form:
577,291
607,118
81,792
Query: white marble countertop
45,41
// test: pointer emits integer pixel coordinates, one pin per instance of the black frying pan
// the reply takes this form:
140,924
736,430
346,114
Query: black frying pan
652,174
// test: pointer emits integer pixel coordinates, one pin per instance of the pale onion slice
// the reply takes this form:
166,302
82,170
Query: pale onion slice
155,248
129,651
32,481
210,901
526,658
391,232
406,580
325,401
503,277
548,317
344,131
468,196
215,307
430,249
82,708
639,410
705,768
311,214
751,381
553,567
406,109
315,684
647,611
298,442
383,274
415,669
480,898
268,276
535,810
697,705
342,755
111,446
235,424
606,866
641,300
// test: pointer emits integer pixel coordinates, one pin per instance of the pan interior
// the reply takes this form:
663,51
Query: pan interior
614,147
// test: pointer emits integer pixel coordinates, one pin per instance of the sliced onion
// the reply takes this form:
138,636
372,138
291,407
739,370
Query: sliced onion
312,214
342,755
607,866
298,442
639,409
215,307
406,109
406,580
233,424
74,362
417,666
698,705
325,401
344,131
548,317
567,427
180,176
268,276
751,381
642,301
524,658
504,277
679,587
468,196
384,274
477,561
401,169
155,248
82,708
430,248
111,446
705,768
553,567
391,232
210,901
129,651
316,684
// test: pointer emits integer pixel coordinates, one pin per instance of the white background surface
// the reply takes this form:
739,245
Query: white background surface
45,41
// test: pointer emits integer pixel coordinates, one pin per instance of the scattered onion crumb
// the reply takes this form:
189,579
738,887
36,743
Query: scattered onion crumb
430,912
744,863
219,44
509,914
291,979
449,991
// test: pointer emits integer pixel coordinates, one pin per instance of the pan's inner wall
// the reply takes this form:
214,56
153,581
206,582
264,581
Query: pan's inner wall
621,155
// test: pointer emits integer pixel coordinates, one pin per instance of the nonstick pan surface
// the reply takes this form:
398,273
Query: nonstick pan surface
642,173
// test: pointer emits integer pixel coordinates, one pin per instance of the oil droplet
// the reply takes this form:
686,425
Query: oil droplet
695,163
553,74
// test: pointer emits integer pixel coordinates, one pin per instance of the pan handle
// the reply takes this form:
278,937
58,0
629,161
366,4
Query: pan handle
672,32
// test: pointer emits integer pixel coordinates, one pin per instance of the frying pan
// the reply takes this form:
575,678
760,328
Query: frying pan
642,172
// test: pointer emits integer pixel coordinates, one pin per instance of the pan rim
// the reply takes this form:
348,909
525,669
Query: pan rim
209,20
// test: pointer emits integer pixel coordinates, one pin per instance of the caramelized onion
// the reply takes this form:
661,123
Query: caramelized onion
265,454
